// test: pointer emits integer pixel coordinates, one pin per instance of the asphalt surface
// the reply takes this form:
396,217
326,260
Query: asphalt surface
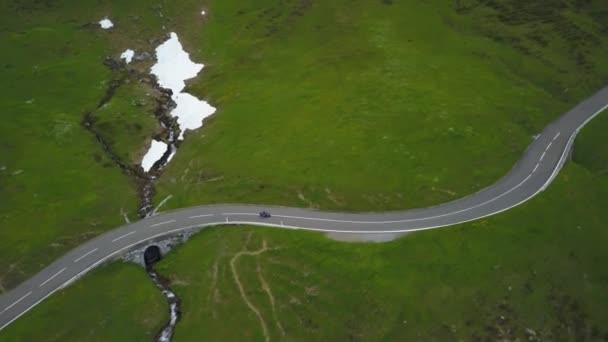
532,174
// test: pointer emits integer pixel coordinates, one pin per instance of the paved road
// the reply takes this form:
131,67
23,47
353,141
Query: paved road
532,174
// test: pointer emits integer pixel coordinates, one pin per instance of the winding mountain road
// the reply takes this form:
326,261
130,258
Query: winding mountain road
532,174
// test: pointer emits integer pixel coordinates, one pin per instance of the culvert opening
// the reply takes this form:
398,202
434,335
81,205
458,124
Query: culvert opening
152,255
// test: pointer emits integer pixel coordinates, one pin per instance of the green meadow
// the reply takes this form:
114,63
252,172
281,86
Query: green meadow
533,273
345,105
374,105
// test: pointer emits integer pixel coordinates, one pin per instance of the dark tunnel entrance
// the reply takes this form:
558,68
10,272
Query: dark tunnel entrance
152,255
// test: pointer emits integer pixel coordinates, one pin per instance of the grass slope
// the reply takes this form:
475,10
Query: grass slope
533,273
57,187
371,105
127,121
351,105
101,307
54,193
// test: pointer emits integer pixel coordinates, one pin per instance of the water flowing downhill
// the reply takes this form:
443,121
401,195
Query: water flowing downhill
144,180
166,333
162,113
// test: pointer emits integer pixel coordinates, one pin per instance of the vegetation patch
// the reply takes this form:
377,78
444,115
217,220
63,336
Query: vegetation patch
588,144
365,105
115,303
59,187
375,105
533,273
127,121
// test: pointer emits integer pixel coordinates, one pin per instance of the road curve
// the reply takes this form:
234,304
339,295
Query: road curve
536,169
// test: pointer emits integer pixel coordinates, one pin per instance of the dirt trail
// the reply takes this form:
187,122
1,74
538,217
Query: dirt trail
213,291
235,274
270,297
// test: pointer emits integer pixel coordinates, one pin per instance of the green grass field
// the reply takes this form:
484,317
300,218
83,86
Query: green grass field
57,185
533,273
54,193
127,122
101,307
344,105
374,105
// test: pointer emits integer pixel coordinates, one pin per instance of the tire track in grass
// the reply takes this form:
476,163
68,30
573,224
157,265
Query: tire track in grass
270,296
235,274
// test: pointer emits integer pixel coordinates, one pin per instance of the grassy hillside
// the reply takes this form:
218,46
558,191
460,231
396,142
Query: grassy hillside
372,105
364,105
58,187
533,273
101,307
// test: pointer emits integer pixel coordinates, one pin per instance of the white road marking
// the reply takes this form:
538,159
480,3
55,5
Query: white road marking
120,237
549,146
240,214
557,135
536,167
85,255
15,303
53,277
160,224
543,156
197,216
226,220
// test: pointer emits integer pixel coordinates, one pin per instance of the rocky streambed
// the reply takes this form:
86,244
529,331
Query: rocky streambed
146,256
176,111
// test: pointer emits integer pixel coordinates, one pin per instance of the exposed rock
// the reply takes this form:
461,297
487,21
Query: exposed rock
166,244
142,56
90,26
112,63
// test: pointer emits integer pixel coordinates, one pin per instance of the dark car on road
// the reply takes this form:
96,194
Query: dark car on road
265,214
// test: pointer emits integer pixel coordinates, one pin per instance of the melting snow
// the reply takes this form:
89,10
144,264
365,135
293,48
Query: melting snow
156,151
190,112
106,23
173,67
128,55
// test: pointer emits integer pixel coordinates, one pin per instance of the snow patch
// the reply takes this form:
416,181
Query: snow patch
190,112
173,67
106,23
128,55
156,151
